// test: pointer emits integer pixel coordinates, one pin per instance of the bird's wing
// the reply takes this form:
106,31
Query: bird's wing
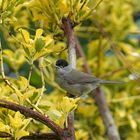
77,77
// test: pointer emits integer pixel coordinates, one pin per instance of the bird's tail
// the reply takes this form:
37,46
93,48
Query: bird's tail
111,82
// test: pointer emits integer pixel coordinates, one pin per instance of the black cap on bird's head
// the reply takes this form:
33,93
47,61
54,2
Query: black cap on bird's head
61,63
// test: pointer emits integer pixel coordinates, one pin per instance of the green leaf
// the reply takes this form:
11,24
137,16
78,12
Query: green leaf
54,114
39,44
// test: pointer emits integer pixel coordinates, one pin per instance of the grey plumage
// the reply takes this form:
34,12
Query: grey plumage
75,82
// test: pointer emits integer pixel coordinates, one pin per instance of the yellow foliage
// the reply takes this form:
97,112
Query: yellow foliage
32,30
17,121
81,135
4,128
14,59
21,133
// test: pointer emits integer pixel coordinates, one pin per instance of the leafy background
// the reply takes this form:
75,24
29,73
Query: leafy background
32,41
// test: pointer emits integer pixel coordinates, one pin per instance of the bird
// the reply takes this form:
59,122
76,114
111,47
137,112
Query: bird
76,82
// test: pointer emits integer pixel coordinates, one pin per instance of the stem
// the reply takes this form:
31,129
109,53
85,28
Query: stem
89,13
42,78
82,55
42,91
30,74
71,42
99,56
125,99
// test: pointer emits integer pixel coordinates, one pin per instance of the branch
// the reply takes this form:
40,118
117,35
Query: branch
106,115
101,103
82,55
45,136
5,135
33,114
71,42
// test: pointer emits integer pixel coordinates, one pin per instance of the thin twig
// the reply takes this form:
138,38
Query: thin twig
42,89
99,56
82,55
124,99
30,74
92,9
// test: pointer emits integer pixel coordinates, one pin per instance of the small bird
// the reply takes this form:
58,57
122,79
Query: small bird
76,82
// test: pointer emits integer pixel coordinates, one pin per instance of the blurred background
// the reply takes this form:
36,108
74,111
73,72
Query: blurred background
110,38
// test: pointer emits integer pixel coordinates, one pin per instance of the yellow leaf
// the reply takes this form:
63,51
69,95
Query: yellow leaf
16,121
25,35
81,135
4,128
68,104
8,52
23,82
48,40
63,6
19,134
56,48
38,33
132,122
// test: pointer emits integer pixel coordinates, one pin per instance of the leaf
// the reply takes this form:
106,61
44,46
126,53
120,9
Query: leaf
39,44
48,40
4,128
38,33
68,104
35,95
132,122
62,4
8,52
23,82
56,48
21,133
25,35
47,62
16,121
26,49
81,135
44,107
54,114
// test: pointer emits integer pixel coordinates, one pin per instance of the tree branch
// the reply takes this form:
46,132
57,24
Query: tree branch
45,136
35,115
71,42
5,135
101,103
